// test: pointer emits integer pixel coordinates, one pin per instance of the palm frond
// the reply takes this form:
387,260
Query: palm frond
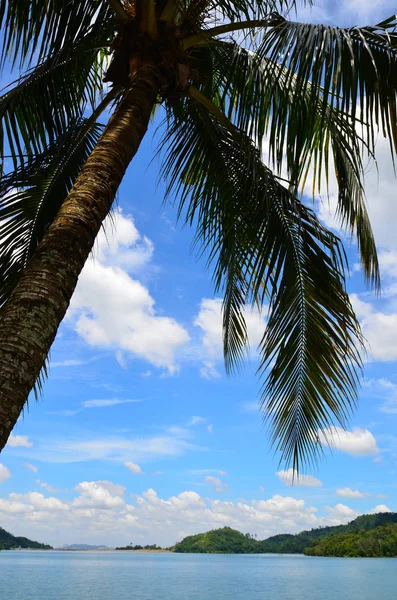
248,9
354,69
266,247
31,195
268,102
37,28
39,106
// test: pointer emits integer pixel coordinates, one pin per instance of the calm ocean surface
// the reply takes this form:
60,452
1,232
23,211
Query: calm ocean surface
111,576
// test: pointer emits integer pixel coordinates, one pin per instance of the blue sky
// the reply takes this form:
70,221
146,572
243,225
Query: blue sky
140,436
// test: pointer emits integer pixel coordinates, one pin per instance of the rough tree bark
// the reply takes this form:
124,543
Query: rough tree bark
31,318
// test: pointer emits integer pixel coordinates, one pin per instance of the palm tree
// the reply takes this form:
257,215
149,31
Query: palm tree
229,76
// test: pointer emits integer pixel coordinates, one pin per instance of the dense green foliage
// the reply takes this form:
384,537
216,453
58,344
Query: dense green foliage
8,541
381,541
224,541
296,544
230,541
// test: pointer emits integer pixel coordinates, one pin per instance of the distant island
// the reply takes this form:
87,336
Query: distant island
323,541
147,548
10,542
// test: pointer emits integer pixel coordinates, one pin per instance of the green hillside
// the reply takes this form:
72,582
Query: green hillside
296,544
223,541
230,541
8,541
381,541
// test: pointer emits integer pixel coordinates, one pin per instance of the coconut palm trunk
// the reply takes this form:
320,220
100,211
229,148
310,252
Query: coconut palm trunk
38,304
232,77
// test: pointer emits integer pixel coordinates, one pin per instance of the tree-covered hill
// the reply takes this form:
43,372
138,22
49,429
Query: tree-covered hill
381,541
227,540
224,541
8,541
296,544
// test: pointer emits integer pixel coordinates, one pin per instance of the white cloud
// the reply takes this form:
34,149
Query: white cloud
379,329
196,421
349,493
120,244
262,489
175,441
31,467
4,473
48,487
106,515
110,309
217,484
102,495
109,402
359,442
381,508
19,441
210,428
133,467
340,513
69,363
290,478
209,320
31,502
209,371
387,390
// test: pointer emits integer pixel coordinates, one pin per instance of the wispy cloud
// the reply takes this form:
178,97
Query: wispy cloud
172,442
195,421
110,402
96,403
31,467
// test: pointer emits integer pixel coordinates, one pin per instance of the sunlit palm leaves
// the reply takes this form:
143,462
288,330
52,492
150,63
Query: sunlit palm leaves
315,95
266,247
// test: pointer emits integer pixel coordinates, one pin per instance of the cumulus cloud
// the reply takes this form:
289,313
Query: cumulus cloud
110,309
102,495
379,329
133,467
4,473
102,512
349,493
359,442
19,441
290,478
341,513
381,508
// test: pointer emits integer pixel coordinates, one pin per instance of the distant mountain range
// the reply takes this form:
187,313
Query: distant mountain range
9,541
84,547
230,541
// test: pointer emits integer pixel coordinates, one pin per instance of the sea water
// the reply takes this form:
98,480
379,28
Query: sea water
137,576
